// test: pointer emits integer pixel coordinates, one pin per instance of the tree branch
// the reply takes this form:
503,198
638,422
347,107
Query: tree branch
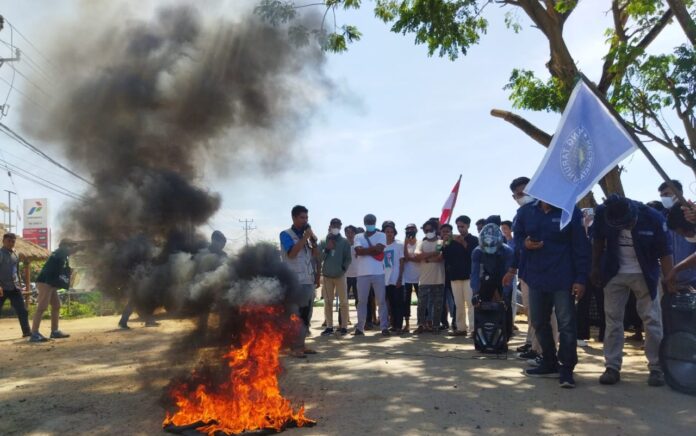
530,129
685,20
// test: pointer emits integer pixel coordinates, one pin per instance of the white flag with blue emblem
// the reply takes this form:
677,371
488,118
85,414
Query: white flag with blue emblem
589,141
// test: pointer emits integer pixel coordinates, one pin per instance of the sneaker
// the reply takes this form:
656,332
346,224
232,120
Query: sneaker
385,332
152,324
456,333
582,343
328,331
566,379
529,354
656,378
38,337
343,332
610,377
298,354
535,362
123,326
524,348
443,327
358,333
420,329
26,335
57,334
309,351
542,371
369,326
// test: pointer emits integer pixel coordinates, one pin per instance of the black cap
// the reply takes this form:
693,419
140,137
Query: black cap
336,221
620,212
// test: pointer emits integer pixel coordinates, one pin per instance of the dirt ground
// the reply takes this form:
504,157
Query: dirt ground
106,381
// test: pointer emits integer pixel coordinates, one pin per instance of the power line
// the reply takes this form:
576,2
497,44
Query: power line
27,175
32,45
12,87
30,62
11,133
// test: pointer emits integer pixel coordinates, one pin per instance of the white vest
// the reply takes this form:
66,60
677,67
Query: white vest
302,264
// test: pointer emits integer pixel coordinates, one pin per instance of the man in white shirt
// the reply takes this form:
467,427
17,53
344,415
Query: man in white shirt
394,268
431,287
369,249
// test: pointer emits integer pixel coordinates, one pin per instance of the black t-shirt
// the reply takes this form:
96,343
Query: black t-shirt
458,258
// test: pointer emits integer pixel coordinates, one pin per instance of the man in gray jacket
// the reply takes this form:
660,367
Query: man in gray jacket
9,282
335,258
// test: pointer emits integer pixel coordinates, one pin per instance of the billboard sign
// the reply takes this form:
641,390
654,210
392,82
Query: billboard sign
36,213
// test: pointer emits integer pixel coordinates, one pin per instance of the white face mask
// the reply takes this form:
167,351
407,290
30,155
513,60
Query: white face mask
524,200
335,231
667,202
430,235
691,239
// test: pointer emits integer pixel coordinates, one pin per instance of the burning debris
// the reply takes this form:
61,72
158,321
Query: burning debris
245,395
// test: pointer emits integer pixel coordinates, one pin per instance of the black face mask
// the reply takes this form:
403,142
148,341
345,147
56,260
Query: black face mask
411,234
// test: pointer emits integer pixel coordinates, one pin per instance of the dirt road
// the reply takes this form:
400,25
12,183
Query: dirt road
105,381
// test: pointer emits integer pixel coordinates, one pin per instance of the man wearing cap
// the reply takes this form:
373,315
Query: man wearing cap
393,275
630,246
411,274
54,275
369,249
335,260
556,264
10,286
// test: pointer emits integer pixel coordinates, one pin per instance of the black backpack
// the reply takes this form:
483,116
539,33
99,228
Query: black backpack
490,316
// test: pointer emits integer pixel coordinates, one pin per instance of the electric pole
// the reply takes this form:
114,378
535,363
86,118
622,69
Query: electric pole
247,228
9,205
5,107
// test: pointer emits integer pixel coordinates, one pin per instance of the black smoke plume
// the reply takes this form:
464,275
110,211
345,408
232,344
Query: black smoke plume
145,106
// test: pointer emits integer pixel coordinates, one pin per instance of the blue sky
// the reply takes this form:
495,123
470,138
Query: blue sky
395,141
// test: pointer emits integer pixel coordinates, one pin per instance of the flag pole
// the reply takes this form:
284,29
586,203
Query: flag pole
454,202
635,138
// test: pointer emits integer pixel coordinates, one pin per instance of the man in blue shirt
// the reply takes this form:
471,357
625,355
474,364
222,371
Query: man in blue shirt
299,249
681,246
556,262
630,245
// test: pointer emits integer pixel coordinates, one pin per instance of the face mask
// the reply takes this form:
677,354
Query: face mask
691,239
430,235
667,202
524,200
335,231
370,227
410,234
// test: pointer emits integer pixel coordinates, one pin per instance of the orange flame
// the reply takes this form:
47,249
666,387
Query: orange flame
249,399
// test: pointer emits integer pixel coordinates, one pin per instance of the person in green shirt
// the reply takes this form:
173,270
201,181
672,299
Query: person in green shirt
335,259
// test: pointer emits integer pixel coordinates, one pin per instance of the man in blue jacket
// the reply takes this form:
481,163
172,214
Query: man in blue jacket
556,263
630,246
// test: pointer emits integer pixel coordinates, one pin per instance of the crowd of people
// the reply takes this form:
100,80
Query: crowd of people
619,249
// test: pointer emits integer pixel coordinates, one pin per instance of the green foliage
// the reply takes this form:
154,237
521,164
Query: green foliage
276,12
512,22
529,92
448,27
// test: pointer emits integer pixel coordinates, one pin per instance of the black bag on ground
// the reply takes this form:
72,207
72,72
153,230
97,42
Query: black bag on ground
678,348
489,327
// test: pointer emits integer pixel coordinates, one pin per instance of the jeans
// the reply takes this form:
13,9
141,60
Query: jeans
395,296
377,283
542,305
615,297
17,302
448,306
431,306
128,311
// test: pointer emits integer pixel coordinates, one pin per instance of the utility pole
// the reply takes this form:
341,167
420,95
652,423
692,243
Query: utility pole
4,107
9,205
247,228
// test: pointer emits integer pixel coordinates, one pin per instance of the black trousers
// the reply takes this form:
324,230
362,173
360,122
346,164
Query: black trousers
583,308
395,297
409,289
17,302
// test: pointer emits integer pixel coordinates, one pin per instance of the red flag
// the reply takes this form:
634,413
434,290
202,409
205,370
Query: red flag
449,204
